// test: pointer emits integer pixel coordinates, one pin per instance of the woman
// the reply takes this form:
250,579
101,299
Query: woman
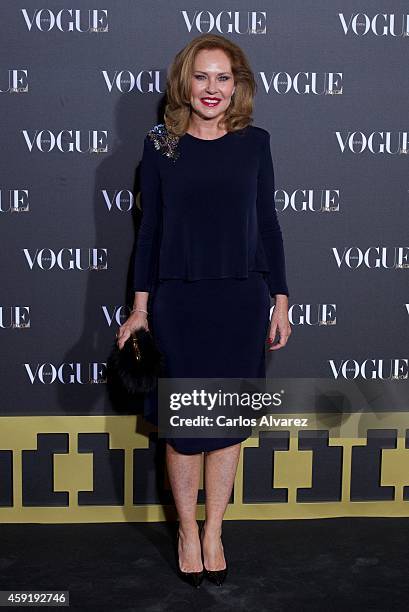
209,257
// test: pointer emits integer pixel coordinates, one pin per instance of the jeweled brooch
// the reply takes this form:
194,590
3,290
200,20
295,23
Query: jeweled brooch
164,141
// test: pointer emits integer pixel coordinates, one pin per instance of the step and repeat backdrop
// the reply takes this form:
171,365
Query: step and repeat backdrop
80,85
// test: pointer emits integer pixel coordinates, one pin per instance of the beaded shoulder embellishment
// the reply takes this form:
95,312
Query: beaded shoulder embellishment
164,142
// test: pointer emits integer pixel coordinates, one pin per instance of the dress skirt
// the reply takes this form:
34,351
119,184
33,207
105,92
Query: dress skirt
209,328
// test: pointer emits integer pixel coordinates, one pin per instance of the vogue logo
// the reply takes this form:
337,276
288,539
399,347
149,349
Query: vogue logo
145,81
381,24
119,314
226,22
67,20
393,143
17,81
17,201
68,259
14,317
123,200
303,82
308,314
67,373
373,257
384,369
301,200
67,141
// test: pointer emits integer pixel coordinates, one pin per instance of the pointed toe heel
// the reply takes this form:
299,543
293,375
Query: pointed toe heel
195,579
216,576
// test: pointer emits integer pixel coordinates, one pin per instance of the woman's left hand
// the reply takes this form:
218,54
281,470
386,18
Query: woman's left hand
279,323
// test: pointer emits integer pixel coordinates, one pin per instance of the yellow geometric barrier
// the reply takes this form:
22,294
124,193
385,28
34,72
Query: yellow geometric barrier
61,469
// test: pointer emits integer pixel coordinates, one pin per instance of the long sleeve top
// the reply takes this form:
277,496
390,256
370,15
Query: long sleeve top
208,209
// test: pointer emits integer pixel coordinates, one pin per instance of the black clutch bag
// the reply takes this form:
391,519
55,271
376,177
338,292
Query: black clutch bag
137,366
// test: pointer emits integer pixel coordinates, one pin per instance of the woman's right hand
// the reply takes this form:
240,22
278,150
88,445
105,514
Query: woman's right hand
135,321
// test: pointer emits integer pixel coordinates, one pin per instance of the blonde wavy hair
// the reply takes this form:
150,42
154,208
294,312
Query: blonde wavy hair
178,90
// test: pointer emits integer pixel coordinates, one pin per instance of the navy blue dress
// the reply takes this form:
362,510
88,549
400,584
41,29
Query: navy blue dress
210,253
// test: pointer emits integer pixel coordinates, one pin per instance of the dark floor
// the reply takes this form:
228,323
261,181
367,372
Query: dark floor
332,564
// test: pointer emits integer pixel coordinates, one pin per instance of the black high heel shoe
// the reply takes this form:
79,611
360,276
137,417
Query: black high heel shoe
193,578
215,576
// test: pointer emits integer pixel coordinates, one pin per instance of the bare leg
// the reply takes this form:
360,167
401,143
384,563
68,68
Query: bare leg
220,472
184,477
